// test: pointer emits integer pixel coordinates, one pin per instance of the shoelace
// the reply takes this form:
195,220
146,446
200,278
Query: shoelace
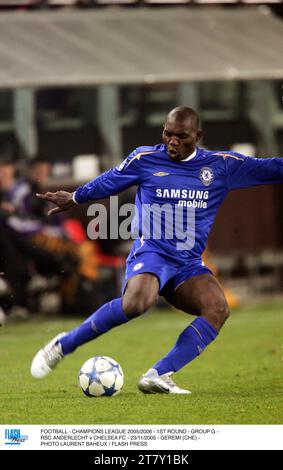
52,353
167,379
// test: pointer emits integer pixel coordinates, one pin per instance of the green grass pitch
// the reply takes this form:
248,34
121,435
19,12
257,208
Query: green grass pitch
237,380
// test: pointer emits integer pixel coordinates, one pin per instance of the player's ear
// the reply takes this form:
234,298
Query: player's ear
199,134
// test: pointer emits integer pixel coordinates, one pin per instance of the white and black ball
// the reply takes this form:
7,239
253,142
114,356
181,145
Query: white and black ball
101,376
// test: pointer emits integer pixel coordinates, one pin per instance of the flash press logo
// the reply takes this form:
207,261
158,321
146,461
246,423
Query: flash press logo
13,437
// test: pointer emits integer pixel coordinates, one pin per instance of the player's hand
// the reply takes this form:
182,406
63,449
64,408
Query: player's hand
62,199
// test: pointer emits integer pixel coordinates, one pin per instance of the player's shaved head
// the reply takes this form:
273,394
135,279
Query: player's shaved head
181,132
181,114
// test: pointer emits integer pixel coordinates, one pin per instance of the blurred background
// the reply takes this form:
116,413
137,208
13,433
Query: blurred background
84,82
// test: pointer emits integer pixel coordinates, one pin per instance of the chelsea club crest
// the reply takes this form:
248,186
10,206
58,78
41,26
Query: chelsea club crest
206,175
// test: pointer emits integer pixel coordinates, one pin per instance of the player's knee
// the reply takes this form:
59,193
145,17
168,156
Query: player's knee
135,305
217,312
223,312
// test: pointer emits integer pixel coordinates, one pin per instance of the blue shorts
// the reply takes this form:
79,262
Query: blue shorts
171,274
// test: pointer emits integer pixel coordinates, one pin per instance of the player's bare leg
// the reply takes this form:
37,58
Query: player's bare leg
203,296
141,293
199,295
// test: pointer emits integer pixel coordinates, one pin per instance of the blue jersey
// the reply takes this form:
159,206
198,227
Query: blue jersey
200,183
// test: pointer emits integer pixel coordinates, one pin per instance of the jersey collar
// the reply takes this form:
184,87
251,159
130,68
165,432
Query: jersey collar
189,157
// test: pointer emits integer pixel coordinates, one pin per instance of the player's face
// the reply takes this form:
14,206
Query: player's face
40,173
7,177
180,138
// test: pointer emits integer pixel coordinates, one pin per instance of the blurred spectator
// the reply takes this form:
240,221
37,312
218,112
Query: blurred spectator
7,176
33,245
13,265
31,211
21,217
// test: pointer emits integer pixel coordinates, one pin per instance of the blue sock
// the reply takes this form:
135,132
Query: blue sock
191,342
105,318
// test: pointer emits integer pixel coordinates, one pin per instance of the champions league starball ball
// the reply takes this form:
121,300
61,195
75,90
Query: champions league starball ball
101,376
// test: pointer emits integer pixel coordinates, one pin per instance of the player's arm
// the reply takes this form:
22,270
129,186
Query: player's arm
244,172
109,183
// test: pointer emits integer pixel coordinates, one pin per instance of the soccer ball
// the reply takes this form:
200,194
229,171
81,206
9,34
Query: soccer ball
101,376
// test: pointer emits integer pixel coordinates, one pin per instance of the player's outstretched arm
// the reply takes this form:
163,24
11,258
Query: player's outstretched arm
107,184
245,172
62,199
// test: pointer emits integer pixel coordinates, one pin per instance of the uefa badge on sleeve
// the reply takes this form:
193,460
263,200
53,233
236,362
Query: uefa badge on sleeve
206,175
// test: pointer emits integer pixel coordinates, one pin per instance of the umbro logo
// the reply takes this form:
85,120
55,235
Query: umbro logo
161,173
138,266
